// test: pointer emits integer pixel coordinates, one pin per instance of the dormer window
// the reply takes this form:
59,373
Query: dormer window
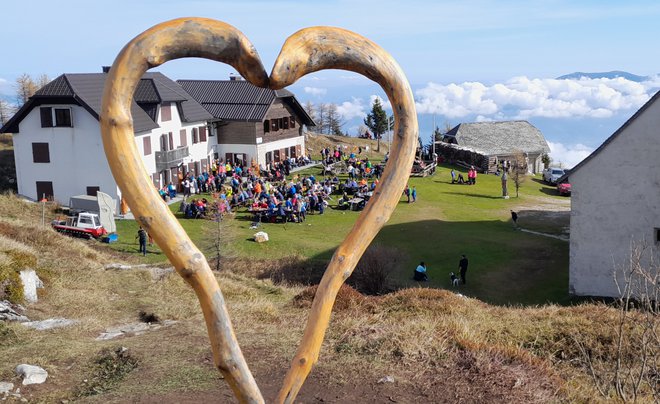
59,117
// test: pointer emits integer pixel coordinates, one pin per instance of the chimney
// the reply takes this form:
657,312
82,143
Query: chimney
105,69
235,77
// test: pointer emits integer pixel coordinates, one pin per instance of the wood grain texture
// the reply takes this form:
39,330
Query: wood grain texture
307,51
319,48
185,37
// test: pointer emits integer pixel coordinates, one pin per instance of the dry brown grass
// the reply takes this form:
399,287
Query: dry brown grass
315,143
437,343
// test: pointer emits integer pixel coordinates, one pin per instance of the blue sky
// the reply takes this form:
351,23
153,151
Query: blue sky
466,60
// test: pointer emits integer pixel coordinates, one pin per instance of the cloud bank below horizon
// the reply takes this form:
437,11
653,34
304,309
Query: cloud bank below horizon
524,98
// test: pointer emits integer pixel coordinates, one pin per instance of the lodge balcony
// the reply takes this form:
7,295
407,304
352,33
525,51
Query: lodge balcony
171,158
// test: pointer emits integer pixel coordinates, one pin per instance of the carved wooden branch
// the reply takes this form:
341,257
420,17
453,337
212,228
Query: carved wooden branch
186,37
306,51
319,48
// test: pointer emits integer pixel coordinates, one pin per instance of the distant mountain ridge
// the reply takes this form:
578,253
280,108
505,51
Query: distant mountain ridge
605,75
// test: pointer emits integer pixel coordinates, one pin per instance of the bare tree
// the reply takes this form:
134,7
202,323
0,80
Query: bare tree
518,169
632,369
6,111
42,80
334,120
311,110
322,118
25,88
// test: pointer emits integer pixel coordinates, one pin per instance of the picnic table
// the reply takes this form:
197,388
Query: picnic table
355,203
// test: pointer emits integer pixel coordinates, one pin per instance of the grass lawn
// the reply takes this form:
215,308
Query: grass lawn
506,266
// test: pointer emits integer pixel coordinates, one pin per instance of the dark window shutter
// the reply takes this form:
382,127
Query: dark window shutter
171,138
163,142
46,117
146,145
292,122
267,126
195,139
63,117
285,123
91,191
202,133
166,112
45,189
273,125
40,153
183,137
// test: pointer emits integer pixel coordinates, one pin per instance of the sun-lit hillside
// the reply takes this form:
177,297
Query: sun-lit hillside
434,345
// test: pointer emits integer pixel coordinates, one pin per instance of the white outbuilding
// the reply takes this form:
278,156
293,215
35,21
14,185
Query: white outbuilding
615,205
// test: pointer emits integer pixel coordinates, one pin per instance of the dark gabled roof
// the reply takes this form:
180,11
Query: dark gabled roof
146,93
86,89
239,100
57,88
497,138
89,88
609,140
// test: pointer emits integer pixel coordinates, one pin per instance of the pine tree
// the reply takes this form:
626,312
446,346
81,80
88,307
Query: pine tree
376,120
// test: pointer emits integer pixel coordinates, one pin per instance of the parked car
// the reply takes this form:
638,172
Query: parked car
552,174
564,188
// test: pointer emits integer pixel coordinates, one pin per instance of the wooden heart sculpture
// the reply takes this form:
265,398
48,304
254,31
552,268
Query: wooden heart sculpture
306,51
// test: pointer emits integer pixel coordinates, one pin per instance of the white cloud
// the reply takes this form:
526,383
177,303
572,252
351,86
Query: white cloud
384,102
315,91
352,109
568,155
523,98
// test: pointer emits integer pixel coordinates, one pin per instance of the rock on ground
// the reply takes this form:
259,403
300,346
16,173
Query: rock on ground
157,273
132,329
11,312
31,374
50,323
261,237
6,387
31,283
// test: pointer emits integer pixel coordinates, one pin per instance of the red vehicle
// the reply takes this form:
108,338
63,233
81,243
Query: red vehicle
564,188
85,225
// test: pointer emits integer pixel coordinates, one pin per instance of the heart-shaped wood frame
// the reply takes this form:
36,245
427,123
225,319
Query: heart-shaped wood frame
306,51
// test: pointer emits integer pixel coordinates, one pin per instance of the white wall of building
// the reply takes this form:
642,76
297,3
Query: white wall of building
76,154
77,158
264,148
615,202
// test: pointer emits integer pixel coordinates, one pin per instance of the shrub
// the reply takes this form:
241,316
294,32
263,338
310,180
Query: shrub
111,366
372,275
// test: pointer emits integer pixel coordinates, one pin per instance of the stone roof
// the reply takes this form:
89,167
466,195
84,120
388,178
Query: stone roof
499,138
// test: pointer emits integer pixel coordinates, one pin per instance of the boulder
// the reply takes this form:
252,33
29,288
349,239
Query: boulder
261,237
50,323
11,312
31,374
6,387
386,379
31,283
132,329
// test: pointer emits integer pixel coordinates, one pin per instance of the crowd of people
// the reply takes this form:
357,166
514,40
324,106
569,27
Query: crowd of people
267,193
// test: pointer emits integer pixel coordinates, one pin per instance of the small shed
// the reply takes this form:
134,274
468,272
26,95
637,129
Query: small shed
497,142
